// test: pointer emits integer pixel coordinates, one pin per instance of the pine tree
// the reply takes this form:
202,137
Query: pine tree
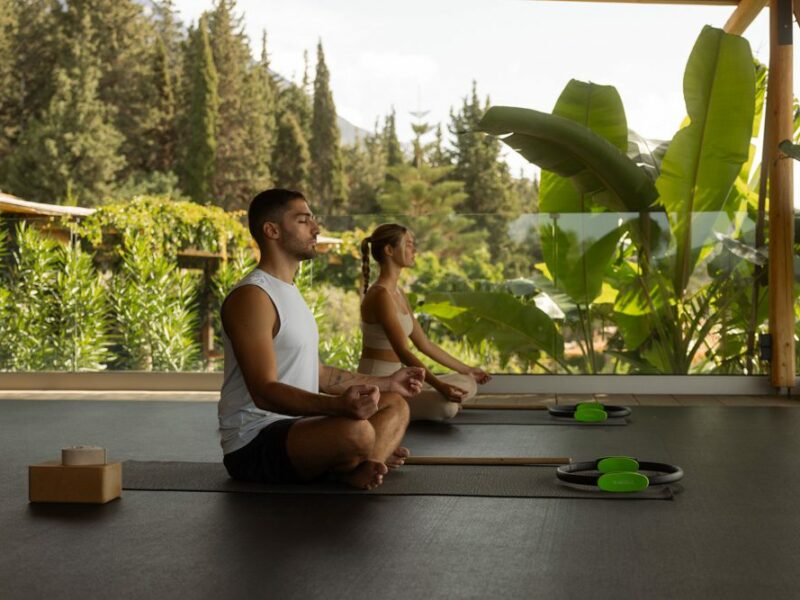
30,45
291,160
479,166
326,158
439,157
169,28
365,173
428,199
37,46
420,128
200,125
125,39
8,92
70,154
391,145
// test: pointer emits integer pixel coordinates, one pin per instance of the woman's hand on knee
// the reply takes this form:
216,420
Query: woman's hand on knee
479,375
450,392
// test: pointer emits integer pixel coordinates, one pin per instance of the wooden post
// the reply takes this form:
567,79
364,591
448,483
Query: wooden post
781,202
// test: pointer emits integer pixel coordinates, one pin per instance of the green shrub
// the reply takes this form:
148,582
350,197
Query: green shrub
155,311
54,308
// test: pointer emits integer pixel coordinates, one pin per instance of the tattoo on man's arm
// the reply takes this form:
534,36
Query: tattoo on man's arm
339,379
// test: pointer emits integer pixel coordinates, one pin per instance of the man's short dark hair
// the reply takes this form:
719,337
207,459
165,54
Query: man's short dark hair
268,206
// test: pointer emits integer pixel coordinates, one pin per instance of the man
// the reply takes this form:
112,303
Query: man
273,374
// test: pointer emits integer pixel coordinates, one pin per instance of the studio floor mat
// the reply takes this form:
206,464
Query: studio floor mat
525,417
409,480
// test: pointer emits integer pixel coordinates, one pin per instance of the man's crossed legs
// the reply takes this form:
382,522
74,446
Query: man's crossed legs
359,451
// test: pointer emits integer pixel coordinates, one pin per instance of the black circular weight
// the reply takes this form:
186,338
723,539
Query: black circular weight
585,473
569,411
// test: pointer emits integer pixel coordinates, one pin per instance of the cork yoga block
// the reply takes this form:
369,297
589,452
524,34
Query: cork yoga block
54,482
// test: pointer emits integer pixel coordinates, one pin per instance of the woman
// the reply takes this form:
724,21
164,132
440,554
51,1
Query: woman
387,323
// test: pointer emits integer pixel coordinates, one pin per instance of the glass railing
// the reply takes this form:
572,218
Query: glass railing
626,293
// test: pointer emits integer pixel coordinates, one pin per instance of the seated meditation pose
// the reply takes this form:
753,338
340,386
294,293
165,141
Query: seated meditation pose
275,425
388,323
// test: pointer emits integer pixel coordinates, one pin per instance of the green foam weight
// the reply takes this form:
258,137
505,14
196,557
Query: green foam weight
615,464
591,415
623,482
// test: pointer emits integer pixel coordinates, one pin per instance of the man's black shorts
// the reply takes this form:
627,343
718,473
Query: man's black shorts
264,459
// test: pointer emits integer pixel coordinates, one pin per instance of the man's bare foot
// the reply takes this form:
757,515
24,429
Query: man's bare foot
366,476
398,457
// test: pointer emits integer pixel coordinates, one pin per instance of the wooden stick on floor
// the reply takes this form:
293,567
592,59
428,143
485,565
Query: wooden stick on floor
491,460
501,406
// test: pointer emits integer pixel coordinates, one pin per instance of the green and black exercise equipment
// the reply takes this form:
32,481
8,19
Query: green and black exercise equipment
619,473
589,412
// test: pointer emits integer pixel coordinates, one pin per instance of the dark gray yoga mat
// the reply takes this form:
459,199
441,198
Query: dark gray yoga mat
524,417
410,480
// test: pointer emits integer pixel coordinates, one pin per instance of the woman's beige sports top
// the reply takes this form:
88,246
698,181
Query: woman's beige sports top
375,336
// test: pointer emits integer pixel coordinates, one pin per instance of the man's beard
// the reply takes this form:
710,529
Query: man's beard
303,252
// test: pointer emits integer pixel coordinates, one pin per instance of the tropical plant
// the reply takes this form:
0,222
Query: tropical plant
667,304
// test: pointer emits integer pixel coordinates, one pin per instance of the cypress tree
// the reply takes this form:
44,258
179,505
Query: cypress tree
259,103
70,154
168,85
293,99
391,145
243,132
326,158
290,157
164,132
291,160
201,118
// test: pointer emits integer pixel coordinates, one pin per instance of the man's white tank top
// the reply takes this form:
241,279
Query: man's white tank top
296,353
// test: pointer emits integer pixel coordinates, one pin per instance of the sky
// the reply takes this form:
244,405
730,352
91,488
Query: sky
424,54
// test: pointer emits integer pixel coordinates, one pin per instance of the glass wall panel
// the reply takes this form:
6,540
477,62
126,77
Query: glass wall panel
533,293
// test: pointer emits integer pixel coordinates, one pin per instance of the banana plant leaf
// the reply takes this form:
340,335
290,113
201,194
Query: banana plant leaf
599,108
515,327
576,255
569,149
705,157
578,249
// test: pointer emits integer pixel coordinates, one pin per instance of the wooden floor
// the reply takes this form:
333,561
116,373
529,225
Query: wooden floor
509,400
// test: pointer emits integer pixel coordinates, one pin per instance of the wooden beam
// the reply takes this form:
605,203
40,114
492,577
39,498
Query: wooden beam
781,202
743,16
684,2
